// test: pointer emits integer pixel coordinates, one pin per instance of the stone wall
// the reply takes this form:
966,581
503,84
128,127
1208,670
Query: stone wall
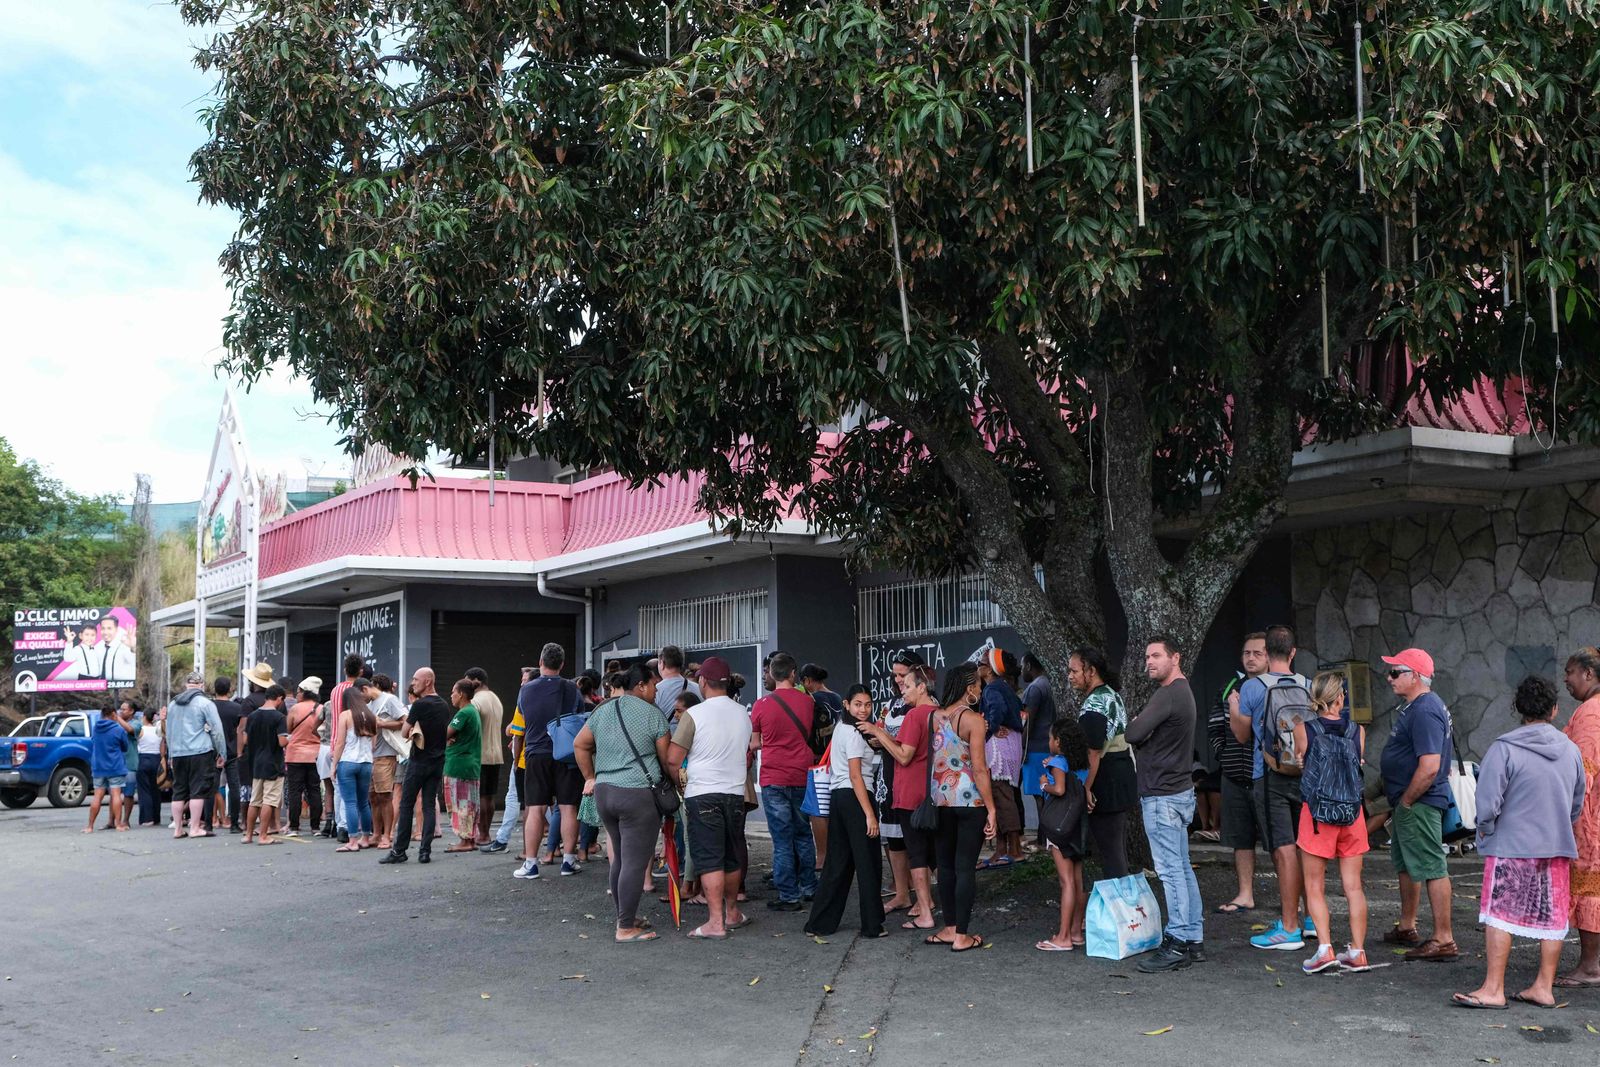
1491,594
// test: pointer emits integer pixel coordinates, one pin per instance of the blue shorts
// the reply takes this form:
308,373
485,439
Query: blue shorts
114,781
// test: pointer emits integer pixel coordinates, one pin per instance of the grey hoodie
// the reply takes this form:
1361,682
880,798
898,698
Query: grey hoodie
1530,792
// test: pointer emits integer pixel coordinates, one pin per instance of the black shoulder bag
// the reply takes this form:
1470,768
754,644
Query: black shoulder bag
926,816
662,791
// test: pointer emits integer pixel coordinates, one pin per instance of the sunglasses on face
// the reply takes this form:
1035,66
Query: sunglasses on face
1396,672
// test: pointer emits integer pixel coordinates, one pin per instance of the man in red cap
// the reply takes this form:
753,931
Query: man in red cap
1416,768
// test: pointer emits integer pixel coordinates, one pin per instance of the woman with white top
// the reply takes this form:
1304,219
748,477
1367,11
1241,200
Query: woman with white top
852,827
353,735
149,769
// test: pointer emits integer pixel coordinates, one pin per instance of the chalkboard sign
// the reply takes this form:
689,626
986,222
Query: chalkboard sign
940,651
372,630
272,647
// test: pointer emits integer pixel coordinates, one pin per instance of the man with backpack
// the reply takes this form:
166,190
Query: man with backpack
1236,760
1270,707
783,729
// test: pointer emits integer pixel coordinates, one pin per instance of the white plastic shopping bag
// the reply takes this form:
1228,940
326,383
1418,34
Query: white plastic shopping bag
1123,919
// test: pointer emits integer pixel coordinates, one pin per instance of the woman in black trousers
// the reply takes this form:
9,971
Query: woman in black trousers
149,768
963,797
852,827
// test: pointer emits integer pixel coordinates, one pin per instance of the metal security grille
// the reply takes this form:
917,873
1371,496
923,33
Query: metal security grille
959,602
705,622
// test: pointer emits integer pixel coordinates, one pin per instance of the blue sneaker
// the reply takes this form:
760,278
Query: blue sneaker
528,870
1278,938
570,867
1308,929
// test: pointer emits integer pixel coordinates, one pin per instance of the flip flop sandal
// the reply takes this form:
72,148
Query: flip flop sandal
977,942
698,936
1462,1000
1563,982
1050,946
996,864
646,935
741,924
914,926
935,939
1230,908
348,848
1520,999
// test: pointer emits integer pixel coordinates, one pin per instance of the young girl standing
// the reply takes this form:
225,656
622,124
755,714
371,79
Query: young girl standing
1320,842
1068,854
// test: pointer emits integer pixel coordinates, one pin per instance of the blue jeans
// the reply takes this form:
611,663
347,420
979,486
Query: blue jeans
512,815
1166,824
355,782
794,854
552,840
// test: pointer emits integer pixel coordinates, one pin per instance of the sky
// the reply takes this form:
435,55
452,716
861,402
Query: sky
110,296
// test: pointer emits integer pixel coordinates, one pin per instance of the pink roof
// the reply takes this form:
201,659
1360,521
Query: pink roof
450,518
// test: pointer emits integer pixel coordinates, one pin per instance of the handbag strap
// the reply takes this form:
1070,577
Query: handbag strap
805,735
623,726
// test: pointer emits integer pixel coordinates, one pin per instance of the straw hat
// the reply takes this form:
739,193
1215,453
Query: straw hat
260,674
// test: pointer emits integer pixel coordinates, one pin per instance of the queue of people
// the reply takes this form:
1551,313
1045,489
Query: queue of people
662,759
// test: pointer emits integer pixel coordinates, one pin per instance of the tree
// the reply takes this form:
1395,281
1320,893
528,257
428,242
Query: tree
706,238
57,548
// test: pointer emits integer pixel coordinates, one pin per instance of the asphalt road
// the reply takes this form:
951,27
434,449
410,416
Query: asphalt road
137,949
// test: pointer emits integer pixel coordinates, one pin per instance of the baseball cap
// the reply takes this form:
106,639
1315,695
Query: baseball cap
715,669
1412,659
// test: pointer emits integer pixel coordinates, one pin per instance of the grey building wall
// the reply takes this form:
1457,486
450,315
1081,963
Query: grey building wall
422,600
1491,594
617,603
815,615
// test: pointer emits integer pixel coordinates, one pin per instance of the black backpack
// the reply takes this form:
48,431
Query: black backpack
1331,782
1061,818
1236,761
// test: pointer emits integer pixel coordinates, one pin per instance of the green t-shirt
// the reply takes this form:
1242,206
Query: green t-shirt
613,759
463,757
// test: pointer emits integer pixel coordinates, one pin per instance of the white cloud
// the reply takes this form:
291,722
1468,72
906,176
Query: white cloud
110,294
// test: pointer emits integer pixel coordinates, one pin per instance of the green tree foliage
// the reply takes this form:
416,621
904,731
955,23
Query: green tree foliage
701,250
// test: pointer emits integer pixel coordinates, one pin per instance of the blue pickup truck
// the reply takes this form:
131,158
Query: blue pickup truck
47,756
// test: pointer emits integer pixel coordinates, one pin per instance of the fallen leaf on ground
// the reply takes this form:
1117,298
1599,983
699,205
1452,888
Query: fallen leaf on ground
361,911
1258,927
1564,1003
586,915
1488,1059
827,989
756,979
819,940
572,977
870,1033
1494,1026
157,1011
1123,992
1127,976
1158,1033
1587,1026
583,937
1278,983
1401,951
309,1029
1269,967
1535,1029
483,996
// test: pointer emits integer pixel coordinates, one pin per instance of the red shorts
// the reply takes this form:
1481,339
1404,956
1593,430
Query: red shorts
1332,842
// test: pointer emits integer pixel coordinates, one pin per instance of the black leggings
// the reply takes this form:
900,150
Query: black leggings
1110,832
300,781
959,840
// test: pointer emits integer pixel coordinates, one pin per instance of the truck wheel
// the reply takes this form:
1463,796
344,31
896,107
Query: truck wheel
67,788
17,798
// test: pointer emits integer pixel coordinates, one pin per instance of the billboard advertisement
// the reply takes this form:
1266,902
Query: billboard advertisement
74,650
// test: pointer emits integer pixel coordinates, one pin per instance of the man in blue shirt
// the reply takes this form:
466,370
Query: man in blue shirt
1416,779
108,765
1276,784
